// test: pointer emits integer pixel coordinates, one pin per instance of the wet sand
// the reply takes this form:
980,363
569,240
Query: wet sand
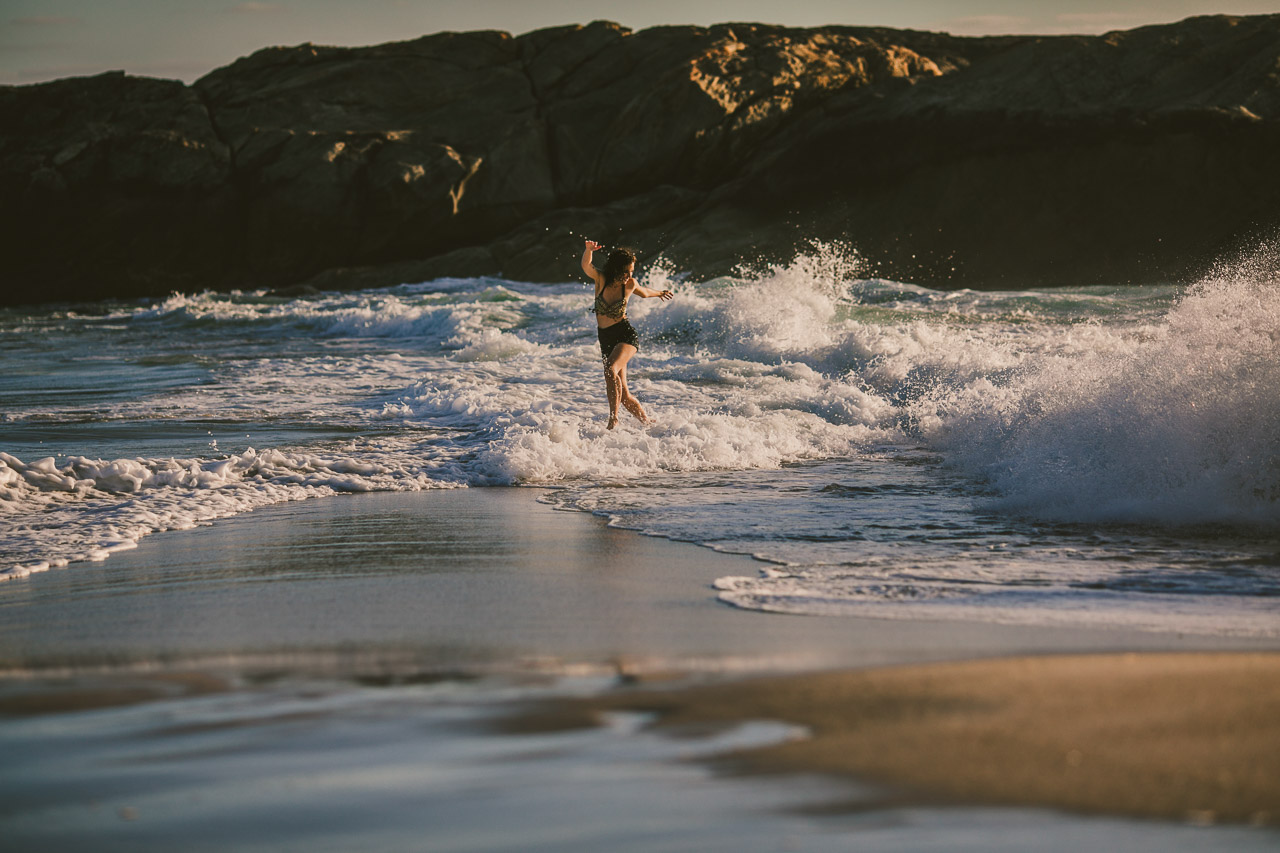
470,580
1192,737
469,587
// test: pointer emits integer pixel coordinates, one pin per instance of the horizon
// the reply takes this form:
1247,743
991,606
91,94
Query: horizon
42,41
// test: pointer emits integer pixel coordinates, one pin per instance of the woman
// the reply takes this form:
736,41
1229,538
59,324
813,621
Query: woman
618,338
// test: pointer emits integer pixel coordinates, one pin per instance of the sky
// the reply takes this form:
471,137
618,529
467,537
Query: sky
184,39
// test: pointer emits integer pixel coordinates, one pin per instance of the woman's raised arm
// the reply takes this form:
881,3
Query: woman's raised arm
588,267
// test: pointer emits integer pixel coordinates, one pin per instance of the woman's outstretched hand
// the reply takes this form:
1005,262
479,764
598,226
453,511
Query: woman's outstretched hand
592,246
665,295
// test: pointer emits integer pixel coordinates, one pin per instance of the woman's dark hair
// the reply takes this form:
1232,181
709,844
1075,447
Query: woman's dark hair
615,268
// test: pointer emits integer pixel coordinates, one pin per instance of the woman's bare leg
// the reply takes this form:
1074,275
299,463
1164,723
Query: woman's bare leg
616,384
611,389
629,401
618,359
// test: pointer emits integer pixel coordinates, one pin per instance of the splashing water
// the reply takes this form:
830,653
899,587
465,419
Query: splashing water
889,449
1174,422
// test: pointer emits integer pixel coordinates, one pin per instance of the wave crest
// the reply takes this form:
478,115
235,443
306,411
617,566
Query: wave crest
1172,422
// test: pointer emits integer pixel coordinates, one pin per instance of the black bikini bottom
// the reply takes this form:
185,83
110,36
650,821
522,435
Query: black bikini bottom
620,332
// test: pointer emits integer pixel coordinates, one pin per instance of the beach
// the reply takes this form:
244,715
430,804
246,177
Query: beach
367,570
377,632
463,579
929,499
1187,737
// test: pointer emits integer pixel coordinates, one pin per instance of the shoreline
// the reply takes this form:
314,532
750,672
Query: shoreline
478,580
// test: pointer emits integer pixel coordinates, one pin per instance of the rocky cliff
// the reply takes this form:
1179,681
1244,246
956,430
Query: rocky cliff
980,162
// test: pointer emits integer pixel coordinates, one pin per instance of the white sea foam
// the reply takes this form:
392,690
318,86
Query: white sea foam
443,318
85,509
1172,422
895,426
1129,415
829,594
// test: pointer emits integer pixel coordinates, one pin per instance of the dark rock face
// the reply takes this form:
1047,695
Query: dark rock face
1012,161
110,184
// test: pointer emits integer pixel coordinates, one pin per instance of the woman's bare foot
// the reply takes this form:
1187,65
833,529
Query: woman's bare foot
633,406
613,422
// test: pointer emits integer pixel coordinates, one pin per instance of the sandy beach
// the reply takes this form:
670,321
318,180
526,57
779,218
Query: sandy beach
451,589
1191,737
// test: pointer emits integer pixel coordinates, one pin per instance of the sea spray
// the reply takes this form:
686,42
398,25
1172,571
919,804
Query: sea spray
1173,422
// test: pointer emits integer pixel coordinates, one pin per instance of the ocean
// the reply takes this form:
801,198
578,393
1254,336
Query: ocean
1081,456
